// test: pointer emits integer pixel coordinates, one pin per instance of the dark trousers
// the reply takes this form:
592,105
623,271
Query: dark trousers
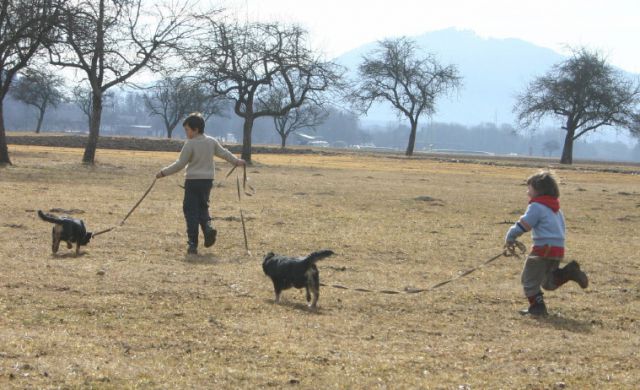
196,206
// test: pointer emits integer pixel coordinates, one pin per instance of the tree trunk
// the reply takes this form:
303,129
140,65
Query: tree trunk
41,111
567,150
283,140
4,150
412,138
246,139
94,129
169,128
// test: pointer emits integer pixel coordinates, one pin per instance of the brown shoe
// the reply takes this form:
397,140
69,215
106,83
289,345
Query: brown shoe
572,271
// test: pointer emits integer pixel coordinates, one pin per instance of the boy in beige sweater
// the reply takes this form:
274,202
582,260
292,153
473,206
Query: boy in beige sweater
197,156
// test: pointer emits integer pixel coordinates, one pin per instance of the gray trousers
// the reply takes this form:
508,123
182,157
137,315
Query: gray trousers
538,272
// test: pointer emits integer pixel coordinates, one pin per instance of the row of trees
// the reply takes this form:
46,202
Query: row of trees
502,140
24,27
108,41
264,69
269,70
41,89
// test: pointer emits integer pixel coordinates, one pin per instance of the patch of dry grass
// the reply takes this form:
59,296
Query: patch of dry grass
134,311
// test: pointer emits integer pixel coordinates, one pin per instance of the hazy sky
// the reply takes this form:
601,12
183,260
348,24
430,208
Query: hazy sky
337,26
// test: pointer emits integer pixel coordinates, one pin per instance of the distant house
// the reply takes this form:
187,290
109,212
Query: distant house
133,130
229,138
129,125
306,139
320,143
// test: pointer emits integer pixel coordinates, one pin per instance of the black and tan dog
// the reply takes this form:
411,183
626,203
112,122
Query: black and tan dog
286,272
67,229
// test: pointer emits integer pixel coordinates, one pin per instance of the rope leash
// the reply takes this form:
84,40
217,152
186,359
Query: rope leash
130,211
245,185
245,181
517,249
244,229
251,192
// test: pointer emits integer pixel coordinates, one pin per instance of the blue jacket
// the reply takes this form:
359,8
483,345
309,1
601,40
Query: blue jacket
547,226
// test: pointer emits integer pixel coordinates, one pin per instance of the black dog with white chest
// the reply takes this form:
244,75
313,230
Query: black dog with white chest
286,272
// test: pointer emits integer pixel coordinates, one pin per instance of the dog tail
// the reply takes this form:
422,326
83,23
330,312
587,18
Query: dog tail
49,217
318,255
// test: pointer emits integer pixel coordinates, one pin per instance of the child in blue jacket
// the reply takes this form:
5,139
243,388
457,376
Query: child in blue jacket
545,220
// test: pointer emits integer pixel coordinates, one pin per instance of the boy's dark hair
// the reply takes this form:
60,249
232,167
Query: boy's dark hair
195,121
544,183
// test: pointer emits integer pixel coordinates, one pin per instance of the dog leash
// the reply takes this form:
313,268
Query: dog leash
245,181
249,192
244,229
508,251
130,211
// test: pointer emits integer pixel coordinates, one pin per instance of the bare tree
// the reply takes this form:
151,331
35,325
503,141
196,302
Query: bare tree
550,146
82,96
635,125
343,125
24,25
172,98
242,63
112,40
394,74
309,115
40,88
585,93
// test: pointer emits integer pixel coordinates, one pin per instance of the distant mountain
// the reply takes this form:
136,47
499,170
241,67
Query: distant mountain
494,71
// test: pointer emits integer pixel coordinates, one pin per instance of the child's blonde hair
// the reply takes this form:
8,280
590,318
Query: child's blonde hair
544,183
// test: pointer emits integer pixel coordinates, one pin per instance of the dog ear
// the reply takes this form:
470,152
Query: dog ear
269,255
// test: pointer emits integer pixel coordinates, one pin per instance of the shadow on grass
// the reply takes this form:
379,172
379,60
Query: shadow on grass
294,305
67,255
563,323
201,259
209,258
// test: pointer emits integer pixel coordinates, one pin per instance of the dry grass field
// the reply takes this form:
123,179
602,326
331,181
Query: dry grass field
133,311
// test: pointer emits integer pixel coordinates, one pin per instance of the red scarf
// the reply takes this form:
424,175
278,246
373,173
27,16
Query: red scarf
550,201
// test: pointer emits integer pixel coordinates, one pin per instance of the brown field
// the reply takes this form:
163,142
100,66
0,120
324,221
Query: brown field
134,312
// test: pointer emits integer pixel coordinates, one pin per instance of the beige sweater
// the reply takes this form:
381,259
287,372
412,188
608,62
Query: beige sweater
197,155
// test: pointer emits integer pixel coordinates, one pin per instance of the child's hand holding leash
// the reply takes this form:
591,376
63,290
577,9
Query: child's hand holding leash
510,249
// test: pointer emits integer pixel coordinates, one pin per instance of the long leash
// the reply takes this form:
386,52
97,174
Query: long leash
249,192
507,252
130,211
244,229
245,181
